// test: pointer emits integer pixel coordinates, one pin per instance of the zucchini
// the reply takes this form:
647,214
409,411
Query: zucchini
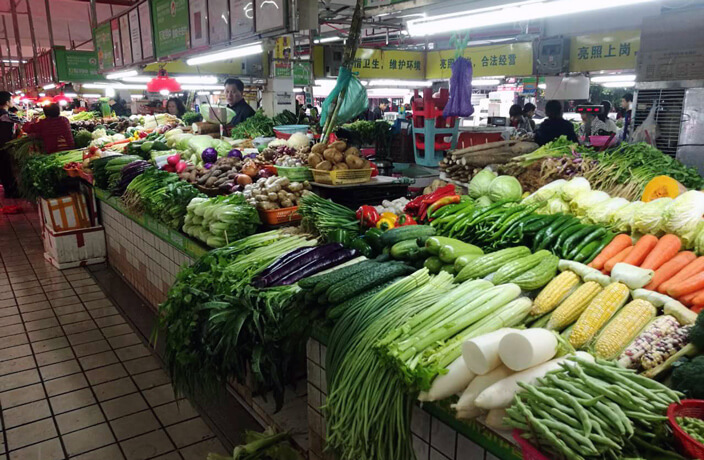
409,232
489,263
434,243
433,264
451,251
517,267
538,276
405,250
348,288
462,261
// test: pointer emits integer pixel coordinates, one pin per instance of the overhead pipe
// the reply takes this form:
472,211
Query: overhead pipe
2,67
16,27
34,43
93,16
49,24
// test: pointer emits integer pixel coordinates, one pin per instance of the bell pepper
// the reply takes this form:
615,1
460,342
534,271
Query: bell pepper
388,215
361,245
386,223
405,220
368,215
344,237
373,237
444,201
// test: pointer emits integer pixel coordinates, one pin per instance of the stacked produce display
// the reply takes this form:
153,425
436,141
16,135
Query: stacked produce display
559,297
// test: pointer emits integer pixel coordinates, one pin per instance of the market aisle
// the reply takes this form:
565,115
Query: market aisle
75,379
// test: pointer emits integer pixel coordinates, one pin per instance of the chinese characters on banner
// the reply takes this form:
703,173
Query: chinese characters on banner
283,51
614,51
373,63
171,31
515,59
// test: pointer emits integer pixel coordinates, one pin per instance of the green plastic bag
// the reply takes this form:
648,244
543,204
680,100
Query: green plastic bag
355,101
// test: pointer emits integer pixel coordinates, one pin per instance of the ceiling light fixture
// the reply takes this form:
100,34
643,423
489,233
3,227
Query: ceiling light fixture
619,84
610,78
49,86
404,83
162,82
232,53
118,75
327,40
201,87
507,14
197,80
486,82
92,96
138,79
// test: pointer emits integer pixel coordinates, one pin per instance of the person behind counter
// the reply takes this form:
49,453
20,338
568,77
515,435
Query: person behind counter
175,107
599,125
235,101
517,119
54,130
554,126
626,102
9,122
377,113
529,113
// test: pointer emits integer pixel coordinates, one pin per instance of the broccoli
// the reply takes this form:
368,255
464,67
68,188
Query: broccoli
687,377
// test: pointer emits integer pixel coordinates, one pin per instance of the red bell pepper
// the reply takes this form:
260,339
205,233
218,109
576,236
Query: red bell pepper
368,216
405,220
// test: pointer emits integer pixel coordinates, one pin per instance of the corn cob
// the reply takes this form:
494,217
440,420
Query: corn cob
665,347
573,306
555,292
598,313
625,326
658,328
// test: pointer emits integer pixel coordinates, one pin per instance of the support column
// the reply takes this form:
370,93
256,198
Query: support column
16,27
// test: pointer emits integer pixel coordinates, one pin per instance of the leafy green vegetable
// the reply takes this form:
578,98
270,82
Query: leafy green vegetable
42,175
258,125
220,220
506,188
479,185
268,445
82,138
191,117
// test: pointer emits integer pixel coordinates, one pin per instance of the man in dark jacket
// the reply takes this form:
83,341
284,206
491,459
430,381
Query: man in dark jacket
235,101
554,126
377,113
9,123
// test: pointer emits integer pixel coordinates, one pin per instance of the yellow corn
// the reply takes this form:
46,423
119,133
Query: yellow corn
598,313
555,292
624,328
573,306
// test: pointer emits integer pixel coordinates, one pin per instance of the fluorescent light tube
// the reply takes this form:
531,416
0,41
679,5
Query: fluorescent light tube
486,82
610,78
197,80
49,86
200,87
327,40
91,95
511,13
404,83
118,75
138,79
71,95
619,84
227,54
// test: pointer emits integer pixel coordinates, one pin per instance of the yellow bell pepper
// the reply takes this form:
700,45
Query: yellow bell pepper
388,215
386,223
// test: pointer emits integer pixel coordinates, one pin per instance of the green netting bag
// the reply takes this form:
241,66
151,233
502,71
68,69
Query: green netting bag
354,103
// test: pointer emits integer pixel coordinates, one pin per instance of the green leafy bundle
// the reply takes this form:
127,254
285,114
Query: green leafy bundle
268,445
220,220
42,175
258,125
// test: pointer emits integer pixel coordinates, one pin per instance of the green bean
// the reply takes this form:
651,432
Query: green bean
546,433
645,416
573,435
550,413
572,402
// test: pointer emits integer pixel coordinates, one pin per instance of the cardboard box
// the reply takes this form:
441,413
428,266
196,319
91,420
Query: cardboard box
74,248
65,213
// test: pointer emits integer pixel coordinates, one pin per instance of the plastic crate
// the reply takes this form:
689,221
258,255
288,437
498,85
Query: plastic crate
342,176
296,174
529,451
686,408
280,216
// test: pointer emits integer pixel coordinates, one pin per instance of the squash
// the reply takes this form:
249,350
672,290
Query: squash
662,186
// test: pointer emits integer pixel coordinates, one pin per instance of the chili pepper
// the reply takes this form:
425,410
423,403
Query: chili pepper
386,224
367,215
444,201
404,220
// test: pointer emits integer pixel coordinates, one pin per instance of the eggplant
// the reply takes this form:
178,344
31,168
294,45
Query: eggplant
318,265
283,260
318,253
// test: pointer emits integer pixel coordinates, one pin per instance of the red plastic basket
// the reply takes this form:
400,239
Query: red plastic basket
530,452
687,408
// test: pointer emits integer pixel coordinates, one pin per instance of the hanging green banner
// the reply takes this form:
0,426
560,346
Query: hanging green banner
76,65
302,74
171,32
103,46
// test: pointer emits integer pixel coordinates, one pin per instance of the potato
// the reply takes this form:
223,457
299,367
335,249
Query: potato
366,164
314,159
324,166
339,145
319,147
329,155
340,166
354,162
353,151
338,157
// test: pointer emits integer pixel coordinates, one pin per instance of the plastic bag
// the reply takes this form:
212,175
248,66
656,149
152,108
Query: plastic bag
218,114
354,103
648,131
460,103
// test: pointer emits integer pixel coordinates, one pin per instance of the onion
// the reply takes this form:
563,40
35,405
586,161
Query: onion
234,153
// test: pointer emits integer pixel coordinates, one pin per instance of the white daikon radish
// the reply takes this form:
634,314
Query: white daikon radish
469,414
500,394
479,384
521,350
446,385
481,354
495,419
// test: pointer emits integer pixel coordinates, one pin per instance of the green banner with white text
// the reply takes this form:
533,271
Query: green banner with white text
103,46
171,32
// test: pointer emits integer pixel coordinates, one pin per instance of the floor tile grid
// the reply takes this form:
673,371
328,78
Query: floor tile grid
60,276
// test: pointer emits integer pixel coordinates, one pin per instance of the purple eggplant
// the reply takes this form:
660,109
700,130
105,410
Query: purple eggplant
209,155
295,264
315,266
284,259
208,165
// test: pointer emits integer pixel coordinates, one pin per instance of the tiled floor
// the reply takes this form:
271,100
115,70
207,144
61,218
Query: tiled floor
75,380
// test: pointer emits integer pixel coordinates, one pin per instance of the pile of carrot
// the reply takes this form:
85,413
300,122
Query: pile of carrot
679,274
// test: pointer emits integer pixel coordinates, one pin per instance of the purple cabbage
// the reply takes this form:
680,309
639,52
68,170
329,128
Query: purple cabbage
209,155
208,165
235,153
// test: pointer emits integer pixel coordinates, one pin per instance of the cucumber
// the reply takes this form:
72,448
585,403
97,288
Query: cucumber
405,250
489,263
449,268
321,283
409,232
462,261
451,251
366,280
433,264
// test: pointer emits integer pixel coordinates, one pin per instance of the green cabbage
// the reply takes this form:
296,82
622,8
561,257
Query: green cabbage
587,200
483,201
699,238
623,219
505,188
181,141
603,212
197,144
545,192
479,185
650,218
683,215
574,187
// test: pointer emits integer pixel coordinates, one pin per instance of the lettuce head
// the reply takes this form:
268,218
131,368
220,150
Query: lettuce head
683,214
650,217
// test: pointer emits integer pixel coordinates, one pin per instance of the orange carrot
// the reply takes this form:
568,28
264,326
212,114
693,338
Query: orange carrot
691,284
688,299
620,257
666,249
694,267
670,269
641,249
697,308
617,245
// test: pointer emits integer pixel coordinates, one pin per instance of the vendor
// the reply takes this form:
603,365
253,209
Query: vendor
54,130
598,125
235,101
377,113
175,107
554,126
517,119
529,113
9,124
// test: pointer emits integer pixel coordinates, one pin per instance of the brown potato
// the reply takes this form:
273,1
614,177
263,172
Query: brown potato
340,166
329,155
319,148
324,166
353,151
338,157
339,145
366,164
314,159
354,162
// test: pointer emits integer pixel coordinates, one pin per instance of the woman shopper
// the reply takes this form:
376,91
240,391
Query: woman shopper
54,130
175,107
517,119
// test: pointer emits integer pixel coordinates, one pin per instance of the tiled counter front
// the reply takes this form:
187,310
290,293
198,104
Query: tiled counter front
436,434
145,260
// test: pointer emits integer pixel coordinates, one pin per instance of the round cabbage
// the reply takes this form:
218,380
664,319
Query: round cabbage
699,238
479,185
483,201
556,205
649,219
574,187
545,192
505,188
683,215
